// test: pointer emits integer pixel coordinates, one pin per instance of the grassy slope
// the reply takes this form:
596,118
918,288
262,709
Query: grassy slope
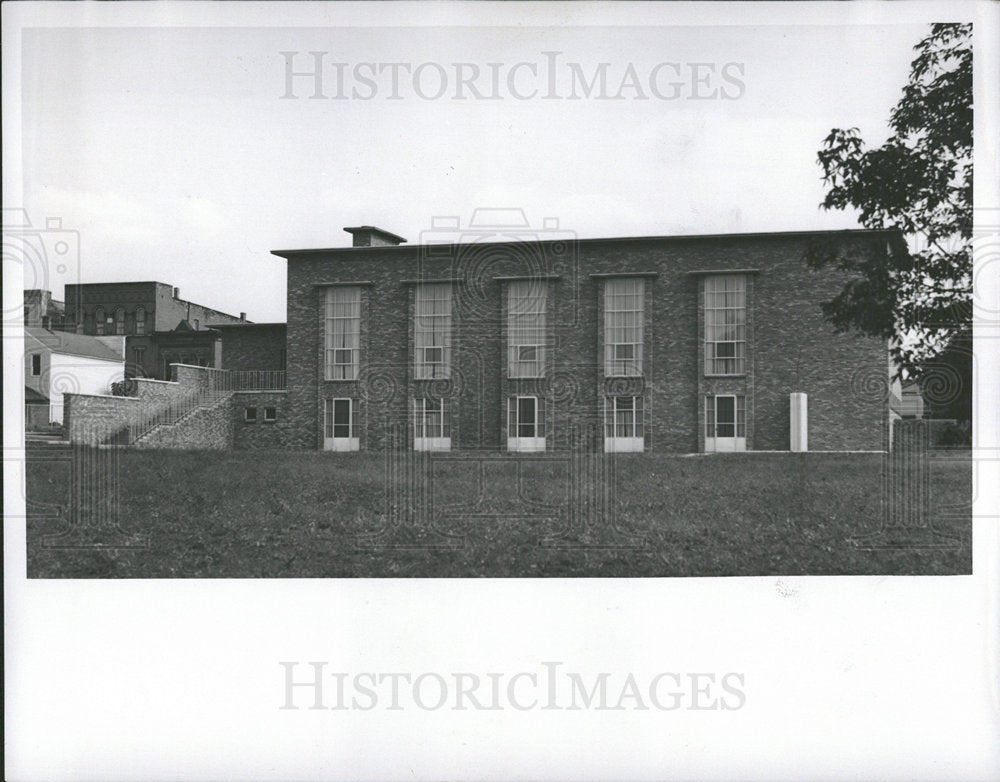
256,514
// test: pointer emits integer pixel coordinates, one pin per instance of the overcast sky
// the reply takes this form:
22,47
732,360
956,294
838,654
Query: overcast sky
174,154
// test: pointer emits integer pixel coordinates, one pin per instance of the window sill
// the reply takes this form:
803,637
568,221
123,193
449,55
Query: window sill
725,444
342,444
624,444
431,443
526,444
740,374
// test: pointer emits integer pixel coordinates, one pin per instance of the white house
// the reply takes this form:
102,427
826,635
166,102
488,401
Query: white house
57,362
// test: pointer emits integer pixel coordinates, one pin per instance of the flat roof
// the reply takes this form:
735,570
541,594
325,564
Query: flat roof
617,239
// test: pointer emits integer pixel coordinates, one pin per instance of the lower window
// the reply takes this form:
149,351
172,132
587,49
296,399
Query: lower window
623,429
525,424
431,425
725,423
340,430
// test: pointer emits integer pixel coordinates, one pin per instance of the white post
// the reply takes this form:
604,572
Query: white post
798,406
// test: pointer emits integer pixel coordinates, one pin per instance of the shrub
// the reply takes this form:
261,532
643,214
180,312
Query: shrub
126,387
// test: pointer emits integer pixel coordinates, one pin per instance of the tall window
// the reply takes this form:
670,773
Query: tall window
725,324
99,321
623,326
526,302
623,416
140,320
119,321
343,332
431,424
525,423
36,364
138,359
725,423
432,331
623,429
340,425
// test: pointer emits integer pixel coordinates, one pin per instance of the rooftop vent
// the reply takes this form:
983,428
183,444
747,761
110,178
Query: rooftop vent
370,236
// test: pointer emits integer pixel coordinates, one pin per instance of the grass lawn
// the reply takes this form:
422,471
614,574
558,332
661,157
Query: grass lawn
290,515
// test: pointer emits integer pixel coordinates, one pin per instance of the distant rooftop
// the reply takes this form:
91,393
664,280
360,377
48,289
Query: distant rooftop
68,343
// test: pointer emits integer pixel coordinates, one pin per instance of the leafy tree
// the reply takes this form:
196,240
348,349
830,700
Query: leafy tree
919,182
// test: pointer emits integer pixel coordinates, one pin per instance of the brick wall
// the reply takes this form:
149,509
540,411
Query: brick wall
94,416
790,345
253,347
91,419
159,391
208,428
262,434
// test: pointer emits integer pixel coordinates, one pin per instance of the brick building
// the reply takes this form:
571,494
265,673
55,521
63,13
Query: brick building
160,327
504,342
42,311
252,346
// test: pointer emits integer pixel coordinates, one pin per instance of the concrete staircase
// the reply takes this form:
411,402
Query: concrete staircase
207,424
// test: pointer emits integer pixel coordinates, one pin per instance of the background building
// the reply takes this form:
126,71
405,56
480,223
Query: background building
679,344
58,362
252,346
42,311
160,327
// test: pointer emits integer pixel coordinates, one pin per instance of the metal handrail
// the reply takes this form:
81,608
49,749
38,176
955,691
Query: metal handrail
254,380
221,383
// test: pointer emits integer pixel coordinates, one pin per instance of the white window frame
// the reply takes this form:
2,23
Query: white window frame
432,330
725,324
423,438
342,332
250,415
713,441
270,419
614,410
331,442
624,326
140,321
119,320
99,321
516,442
527,302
